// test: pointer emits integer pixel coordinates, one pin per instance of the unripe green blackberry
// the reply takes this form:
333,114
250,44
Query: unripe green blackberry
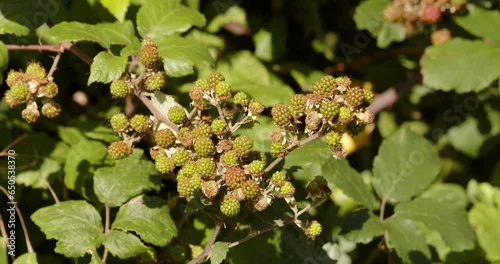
35,71
149,55
119,150
187,170
119,88
329,110
218,126
297,105
230,206
318,186
20,92
281,115
119,122
202,84
51,109
256,167
185,137
205,167
250,189
187,187
165,138
202,130
313,230
30,114
255,107
49,90
14,77
325,85
180,157
139,123
177,253
242,145
9,100
345,112
368,95
354,97
214,78
204,146
164,164
234,177
287,190
277,149
176,114
333,138
155,82
241,98
230,158
223,91
278,179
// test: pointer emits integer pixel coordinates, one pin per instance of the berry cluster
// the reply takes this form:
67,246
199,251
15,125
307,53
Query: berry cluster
332,109
27,87
130,130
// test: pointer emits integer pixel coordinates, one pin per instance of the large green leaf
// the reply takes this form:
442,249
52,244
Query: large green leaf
449,221
123,245
390,32
106,34
241,71
128,178
148,217
482,23
443,66
165,17
76,225
26,258
405,165
362,226
117,8
448,193
8,26
180,55
218,252
404,236
485,218
368,15
106,68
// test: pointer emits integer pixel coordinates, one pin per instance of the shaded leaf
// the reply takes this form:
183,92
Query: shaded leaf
76,225
362,226
106,68
404,236
8,26
233,15
123,245
218,252
481,23
485,221
368,15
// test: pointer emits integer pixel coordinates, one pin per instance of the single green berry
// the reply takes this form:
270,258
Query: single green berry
187,187
256,167
297,105
9,100
177,253
313,230
187,170
205,167
277,149
250,189
119,88
202,130
223,90
255,107
214,78
204,146
241,98
325,85
155,82
318,186
119,150
354,97
278,179
329,110
230,158
345,112
149,55
176,114
14,77
49,90
234,177
36,71
202,84
30,114
368,95
242,145
218,126
164,164
281,115
139,123
165,138
51,109
20,92
332,138
180,157
230,206
119,122
287,190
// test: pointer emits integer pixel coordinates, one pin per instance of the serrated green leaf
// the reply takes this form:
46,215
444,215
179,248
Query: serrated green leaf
448,193
481,23
26,258
106,68
123,245
38,178
117,8
148,217
8,26
485,219
180,55
390,32
76,225
218,252
234,15
368,15
165,17
362,226
240,71
434,239
404,236
449,221
70,135
106,34
443,67
128,178
405,166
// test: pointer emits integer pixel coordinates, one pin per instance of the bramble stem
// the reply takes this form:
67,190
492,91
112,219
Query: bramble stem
208,248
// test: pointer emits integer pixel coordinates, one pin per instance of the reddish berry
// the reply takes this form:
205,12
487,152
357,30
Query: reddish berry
431,14
234,177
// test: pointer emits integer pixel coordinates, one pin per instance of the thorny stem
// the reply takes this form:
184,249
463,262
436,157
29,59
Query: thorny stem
206,251
54,48
21,219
